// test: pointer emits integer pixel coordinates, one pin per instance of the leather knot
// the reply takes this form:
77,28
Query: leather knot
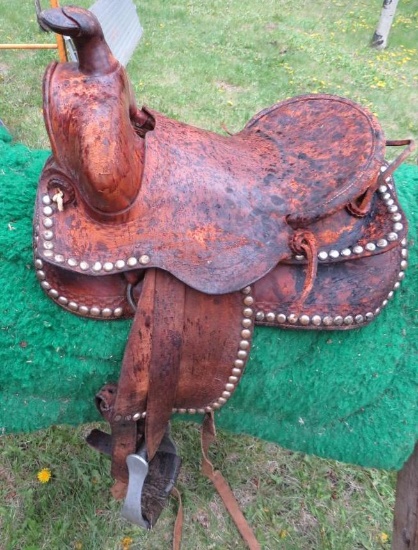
303,242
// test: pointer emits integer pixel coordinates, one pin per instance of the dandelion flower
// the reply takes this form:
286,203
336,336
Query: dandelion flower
384,537
126,543
44,475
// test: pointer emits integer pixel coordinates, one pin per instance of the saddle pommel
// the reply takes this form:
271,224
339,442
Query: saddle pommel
88,108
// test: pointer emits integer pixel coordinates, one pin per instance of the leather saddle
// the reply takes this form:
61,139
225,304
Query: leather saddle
292,222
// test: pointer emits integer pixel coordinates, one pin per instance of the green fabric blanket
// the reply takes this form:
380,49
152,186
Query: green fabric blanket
348,396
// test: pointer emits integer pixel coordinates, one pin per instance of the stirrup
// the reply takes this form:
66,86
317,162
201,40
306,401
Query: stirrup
150,483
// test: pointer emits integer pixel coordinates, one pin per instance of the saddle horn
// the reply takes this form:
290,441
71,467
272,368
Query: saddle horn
88,110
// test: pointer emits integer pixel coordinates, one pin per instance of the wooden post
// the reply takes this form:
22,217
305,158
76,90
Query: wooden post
62,52
405,523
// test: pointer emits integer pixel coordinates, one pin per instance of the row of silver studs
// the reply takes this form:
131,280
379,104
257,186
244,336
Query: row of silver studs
238,366
94,311
47,235
336,320
396,217
240,360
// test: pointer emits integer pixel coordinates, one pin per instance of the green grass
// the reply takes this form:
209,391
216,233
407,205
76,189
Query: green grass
214,64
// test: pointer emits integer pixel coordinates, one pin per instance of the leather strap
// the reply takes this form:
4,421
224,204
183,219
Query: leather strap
221,485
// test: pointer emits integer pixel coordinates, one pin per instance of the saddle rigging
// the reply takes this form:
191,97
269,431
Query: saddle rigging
292,222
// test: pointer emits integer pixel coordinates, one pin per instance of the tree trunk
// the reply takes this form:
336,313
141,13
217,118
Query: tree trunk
381,34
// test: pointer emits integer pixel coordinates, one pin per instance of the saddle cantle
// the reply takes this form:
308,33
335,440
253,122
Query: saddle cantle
293,222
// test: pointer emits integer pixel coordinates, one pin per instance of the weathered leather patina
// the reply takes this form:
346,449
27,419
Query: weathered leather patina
292,222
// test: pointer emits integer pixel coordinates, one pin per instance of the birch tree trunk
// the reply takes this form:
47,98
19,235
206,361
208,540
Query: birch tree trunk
381,34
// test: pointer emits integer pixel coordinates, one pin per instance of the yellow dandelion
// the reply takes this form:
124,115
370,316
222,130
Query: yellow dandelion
384,537
126,543
44,475
283,533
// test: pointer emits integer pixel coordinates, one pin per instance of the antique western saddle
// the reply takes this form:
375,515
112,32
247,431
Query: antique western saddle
292,222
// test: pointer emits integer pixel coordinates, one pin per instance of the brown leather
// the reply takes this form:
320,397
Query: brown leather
292,222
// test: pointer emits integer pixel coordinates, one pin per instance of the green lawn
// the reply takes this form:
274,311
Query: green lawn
214,64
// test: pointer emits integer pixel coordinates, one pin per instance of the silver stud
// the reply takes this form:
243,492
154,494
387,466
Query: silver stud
244,344
358,249
404,253
403,242
45,285
118,418
384,303
338,320
393,208
59,258
359,319
381,243
327,320
97,266
299,257
401,275
281,318
389,202
120,264
47,222
182,411
245,333
136,416
108,266
144,259
227,394
95,311
369,316
229,387
323,255
346,252
107,312
84,266
239,363
221,401
404,264
270,316
259,316
292,318
72,262
246,290
46,200
208,409
236,372
144,414
377,311
201,411
383,168
392,237
73,306
47,210
242,354
131,261
48,253
396,285
63,300
348,320
248,300
334,254
41,275
83,310
397,227
371,247
396,217
53,293
39,263
48,245
118,312
316,320
48,235
383,188
304,320
191,411
233,379
248,312
246,323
